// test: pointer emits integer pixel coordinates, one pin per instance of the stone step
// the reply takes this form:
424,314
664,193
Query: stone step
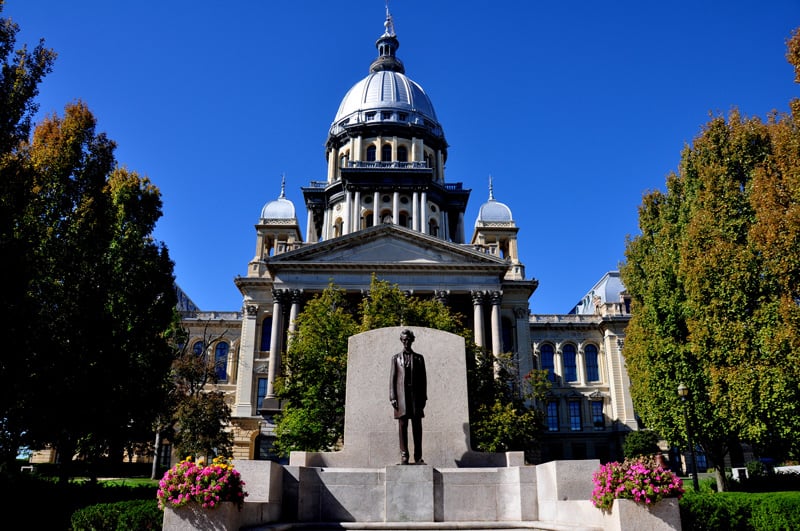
420,526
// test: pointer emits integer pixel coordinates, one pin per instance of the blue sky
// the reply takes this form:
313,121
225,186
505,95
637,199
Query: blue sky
575,108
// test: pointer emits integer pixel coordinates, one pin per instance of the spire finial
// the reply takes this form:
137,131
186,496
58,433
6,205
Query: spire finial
283,186
389,24
491,188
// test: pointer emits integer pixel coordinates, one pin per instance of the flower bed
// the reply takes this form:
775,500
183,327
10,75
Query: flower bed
206,485
640,480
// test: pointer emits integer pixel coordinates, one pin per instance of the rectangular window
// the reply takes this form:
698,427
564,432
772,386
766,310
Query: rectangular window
552,415
598,421
574,415
261,393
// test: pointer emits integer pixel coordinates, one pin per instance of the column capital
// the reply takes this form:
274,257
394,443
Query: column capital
521,312
296,296
478,297
442,295
250,309
496,297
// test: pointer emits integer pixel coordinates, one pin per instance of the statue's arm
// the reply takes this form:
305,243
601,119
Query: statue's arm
392,386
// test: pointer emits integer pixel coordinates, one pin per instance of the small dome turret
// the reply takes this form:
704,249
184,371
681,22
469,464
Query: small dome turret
280,208
493,211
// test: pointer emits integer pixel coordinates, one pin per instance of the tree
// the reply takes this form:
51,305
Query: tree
97,293
641,442
315,370
197,416
21,72
714,278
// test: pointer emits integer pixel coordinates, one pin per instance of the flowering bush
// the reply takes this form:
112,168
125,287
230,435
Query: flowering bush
640,480
209,485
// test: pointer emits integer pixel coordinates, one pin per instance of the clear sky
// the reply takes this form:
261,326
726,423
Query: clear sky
576,108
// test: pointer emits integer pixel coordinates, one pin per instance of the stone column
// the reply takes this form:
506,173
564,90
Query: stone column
326,220
423,212
396,208
477,307
244,370
348,212
311,234
442,295
460,230
296,296
415,211
275,341
356,216
497,332
376,209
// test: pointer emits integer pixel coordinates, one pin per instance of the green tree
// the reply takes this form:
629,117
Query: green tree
315,372
714,281
641,442
20,74
196,416
313,388
98,294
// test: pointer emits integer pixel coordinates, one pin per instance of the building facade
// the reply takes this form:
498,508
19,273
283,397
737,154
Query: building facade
386,208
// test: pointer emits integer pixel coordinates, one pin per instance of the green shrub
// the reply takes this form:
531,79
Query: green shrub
132,515
642,442
776,511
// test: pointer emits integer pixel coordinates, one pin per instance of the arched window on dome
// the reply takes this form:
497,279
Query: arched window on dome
344,158
221,361
386,217
428,160
405,220
386,153
402,154
338,225
367,219
371,154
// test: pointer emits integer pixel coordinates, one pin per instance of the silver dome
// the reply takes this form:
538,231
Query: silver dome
400,99
494,211
280,208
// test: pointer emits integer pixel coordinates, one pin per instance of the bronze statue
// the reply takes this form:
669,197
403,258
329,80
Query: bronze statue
408,394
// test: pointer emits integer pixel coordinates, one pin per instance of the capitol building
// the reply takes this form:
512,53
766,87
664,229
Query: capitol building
385,207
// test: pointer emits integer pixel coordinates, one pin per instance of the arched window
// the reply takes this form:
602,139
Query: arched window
402,154
221,361
404,220
548,362
592,366
197,348
367,220
570,364
386,152
266,333
433,227
371,154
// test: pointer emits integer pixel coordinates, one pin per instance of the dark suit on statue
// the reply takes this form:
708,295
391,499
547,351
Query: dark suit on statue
408,394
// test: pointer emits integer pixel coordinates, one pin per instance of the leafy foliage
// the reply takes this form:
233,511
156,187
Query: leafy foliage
89,294
313,385
715,282
641,442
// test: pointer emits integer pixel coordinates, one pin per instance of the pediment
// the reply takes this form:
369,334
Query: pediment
388,244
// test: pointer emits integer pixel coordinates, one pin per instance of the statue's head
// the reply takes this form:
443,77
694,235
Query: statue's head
407,335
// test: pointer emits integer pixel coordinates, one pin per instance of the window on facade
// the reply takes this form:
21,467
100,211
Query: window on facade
570,364
402,116
197,348
598,421
575,415
592,366
386,115
433,228
370,115
261,392
552,415
402,154
548,362
221,361
266,334
386,153
371,154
